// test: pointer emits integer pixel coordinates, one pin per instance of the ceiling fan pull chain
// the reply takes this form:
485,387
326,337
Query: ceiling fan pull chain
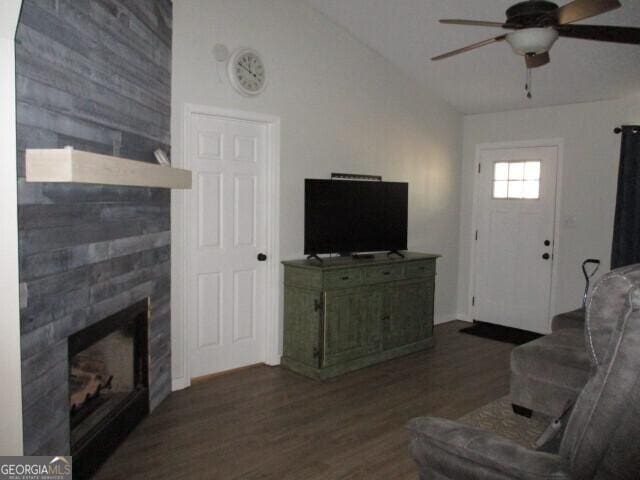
528,87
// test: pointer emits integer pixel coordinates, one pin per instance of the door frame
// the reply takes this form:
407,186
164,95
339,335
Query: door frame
11,442
558,143
180,237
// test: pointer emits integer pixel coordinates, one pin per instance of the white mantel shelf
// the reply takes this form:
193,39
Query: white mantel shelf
76,166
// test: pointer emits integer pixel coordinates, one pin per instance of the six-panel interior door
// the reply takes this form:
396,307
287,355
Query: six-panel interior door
227,230
514,247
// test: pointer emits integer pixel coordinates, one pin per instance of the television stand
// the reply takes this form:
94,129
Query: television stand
345,314
363,256
314,257
395,252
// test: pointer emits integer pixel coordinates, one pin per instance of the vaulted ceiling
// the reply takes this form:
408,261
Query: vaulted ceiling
492,78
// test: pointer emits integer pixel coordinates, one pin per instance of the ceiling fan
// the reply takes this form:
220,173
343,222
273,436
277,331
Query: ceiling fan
537,24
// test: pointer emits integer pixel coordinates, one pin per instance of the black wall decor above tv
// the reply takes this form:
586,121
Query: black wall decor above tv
354,216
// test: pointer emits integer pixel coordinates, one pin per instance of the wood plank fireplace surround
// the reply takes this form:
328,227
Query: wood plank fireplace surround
94,259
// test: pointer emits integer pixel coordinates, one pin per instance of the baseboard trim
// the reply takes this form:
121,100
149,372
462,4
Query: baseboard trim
179,384
211,376
273,361
448,317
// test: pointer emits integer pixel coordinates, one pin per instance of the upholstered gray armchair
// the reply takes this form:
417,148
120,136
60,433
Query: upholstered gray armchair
602,438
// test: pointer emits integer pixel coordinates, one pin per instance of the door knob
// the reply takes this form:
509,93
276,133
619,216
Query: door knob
547,243
546,256
262,257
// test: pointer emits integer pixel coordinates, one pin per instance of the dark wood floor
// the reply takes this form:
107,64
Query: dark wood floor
267,423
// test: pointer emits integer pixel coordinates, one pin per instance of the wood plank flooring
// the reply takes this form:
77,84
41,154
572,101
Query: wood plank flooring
268,423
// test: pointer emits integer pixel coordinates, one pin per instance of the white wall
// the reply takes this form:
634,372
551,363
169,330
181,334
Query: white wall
587,188
343,108
11,396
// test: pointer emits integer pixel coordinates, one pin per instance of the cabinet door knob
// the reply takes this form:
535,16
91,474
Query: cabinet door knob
262,257
546,256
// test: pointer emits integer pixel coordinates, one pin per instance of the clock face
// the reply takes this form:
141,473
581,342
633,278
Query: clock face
247,72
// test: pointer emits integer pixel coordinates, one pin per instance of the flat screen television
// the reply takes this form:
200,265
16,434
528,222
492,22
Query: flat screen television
344,216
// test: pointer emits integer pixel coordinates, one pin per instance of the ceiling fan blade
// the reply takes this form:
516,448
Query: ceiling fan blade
476,23
601,33
581,9
535,61
470,47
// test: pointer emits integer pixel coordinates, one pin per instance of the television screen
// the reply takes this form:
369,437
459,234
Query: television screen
354,216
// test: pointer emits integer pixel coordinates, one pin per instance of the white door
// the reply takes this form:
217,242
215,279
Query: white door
515,232
226,232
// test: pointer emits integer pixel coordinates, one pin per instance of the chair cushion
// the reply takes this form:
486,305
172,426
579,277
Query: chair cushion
572,319
560,359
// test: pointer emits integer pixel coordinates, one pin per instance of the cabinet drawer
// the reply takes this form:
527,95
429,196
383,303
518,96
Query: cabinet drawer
383,273
343,278
420,269
303,277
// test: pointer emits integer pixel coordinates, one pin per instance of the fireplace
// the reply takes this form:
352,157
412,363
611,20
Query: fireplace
108,385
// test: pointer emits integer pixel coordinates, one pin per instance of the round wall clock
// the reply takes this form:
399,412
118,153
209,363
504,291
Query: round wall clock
247,72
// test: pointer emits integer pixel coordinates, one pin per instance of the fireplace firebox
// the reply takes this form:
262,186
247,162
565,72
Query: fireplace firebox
108,385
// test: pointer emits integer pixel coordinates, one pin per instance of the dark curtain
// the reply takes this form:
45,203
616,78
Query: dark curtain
626,229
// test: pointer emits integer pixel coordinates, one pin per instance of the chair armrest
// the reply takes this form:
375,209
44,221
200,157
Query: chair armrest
456,450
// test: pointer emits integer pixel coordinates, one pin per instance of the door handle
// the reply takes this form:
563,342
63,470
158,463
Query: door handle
546,256
547,243
262,257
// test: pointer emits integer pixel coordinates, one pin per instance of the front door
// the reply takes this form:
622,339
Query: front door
514,238
226,232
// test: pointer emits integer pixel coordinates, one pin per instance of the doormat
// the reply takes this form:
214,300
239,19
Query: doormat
500,333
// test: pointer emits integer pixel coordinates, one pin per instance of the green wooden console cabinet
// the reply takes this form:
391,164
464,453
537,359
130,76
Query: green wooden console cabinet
346,314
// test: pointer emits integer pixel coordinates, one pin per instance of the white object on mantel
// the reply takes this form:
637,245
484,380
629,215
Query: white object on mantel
76,166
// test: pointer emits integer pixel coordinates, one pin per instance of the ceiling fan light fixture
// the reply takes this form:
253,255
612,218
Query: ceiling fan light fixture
532,41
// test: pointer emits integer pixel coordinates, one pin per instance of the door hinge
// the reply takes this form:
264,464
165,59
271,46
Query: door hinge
473,301
479,167
476,234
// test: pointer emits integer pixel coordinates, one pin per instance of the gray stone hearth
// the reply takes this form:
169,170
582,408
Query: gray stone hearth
96,75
